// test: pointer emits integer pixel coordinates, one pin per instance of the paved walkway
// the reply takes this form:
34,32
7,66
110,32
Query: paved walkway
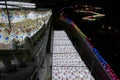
66,62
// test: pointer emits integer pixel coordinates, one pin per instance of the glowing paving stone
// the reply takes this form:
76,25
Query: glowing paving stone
61,42
71,73
64,49
68,59
67,64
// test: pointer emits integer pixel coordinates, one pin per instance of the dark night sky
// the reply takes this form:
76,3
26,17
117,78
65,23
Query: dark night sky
109,6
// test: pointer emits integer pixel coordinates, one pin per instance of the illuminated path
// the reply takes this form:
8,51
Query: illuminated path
66,62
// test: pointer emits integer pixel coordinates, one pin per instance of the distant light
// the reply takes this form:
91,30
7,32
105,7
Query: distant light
116,55
109,27
85,5
98,8
103,26
76,5
90,39
116,30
